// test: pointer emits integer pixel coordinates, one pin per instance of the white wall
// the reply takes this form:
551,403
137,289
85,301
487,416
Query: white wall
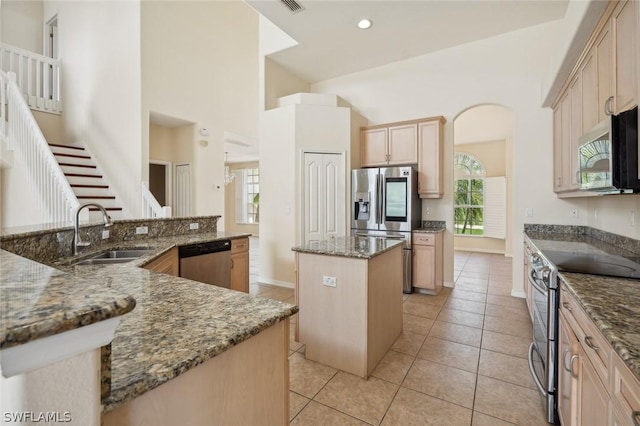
200,63
99,46
21,24
230,202
505,70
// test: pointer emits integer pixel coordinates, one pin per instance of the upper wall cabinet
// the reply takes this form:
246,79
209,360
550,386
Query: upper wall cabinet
389,145
408,143
604,82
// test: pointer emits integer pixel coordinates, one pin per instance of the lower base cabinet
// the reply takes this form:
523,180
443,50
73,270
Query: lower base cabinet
166,264
240,265
427,262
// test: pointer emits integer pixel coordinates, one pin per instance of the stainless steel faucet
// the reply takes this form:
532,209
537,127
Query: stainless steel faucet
77,242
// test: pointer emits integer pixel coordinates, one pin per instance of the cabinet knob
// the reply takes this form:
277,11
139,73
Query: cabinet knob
607,106
567,306
589,341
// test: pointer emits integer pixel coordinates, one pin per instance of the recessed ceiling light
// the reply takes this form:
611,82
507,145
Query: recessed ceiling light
364,24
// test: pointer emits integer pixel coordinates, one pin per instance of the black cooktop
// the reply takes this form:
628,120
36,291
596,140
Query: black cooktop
596,264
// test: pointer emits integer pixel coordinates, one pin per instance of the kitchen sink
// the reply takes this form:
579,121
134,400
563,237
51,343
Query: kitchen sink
115,256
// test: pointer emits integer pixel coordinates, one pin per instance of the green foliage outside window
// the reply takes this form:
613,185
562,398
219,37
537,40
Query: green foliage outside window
468,195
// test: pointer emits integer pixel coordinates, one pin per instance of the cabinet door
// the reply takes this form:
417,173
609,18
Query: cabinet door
575,131
624,22
403,144
165,264
594,403
424,267
557,148
373,147
240,272
604,62
430,159
589,77
567,374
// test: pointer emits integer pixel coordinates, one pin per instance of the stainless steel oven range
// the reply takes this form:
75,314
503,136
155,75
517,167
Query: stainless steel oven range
543,277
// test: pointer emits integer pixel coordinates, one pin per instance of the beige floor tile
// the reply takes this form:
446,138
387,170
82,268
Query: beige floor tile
408,343
472,279
520,313
296,404
308,377
414,324
460,317
508,326
507,368
477,274
505,343
478,288
445,291
474,296
420,309
465,305
480,419
315,414
508,301
499,290
427,299
448,383
452,354
366,400
393,367
411,408
456,333
509,402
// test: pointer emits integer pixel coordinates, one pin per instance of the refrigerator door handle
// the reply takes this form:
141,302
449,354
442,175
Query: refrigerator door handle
380,199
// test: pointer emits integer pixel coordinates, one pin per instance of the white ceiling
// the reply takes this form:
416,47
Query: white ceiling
331,45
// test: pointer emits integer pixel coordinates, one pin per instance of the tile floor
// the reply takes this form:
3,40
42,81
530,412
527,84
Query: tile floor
461,359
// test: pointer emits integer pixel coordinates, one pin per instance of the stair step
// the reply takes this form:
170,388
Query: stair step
96,197
109,209
60,154
67,146
83,175
87,166
79,185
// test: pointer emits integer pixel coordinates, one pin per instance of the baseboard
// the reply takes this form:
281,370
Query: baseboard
519,294
448,284
279,283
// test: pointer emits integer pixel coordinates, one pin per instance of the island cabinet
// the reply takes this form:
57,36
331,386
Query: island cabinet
415,142
389,145
240,264
166,264
247,384
427,262
595,386
350,299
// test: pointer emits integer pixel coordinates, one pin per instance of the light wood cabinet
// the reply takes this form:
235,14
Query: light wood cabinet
625,393
593,405
166,263
427,262
430,151
568,374
589,77
604,60
624,23
240,265
562,144
407,143
390,146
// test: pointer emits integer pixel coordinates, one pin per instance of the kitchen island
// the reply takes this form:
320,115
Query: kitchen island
189,353
349,291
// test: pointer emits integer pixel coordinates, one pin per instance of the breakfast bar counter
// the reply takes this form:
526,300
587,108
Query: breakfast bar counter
349,291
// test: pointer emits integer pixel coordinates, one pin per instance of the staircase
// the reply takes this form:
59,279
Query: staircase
85,178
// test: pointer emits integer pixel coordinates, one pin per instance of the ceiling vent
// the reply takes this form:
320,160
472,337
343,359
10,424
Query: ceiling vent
292,5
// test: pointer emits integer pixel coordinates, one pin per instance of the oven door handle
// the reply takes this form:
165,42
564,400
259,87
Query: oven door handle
535,284
533,372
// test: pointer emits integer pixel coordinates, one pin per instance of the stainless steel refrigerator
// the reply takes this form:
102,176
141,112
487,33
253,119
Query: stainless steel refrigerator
385,203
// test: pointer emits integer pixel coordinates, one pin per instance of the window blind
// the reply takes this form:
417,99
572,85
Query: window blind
495,207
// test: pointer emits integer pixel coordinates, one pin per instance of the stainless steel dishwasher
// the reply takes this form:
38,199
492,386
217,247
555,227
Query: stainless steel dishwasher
208,263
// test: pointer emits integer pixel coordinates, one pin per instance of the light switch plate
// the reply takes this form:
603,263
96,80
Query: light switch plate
194,225
329,281
140,230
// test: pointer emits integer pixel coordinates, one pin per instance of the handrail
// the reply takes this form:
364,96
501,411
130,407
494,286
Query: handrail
150,206
38,77
4,79
28,142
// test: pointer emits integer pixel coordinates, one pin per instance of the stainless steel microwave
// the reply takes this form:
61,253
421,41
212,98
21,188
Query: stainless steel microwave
608,155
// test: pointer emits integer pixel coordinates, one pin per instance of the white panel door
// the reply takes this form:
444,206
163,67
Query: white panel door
182,193
324,196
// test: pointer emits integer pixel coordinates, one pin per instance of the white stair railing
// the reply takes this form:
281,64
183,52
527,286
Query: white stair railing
3,106
27,141
37,76
150,206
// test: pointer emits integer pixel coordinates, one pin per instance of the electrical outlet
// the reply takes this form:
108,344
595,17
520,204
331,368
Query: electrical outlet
194,225
528,212
632,218
428,211
140,230
329,281
105,234
574,213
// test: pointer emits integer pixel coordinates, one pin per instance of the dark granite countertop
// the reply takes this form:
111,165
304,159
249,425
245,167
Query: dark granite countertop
177,323
428,230
355,247
613,304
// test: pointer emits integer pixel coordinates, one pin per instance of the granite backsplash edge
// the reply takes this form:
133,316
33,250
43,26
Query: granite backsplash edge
620,241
